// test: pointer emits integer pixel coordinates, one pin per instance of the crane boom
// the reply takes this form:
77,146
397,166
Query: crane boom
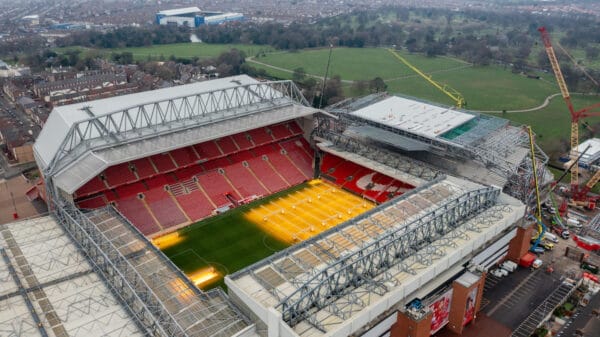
560,80
449,91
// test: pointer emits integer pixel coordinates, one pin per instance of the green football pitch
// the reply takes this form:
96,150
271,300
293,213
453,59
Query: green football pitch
212,248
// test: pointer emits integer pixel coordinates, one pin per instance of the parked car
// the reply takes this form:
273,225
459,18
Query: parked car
537,263
497,273
539,250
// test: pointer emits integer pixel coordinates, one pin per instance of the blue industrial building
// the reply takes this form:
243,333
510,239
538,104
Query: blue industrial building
194,17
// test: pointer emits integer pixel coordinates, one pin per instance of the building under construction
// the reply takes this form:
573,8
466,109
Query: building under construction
451,190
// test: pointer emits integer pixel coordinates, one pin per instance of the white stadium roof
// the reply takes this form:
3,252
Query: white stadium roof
593,153
298,278
45,277
414,116
179,11
80,140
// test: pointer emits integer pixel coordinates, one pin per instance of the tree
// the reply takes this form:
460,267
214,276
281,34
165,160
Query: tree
299,75
377,85
360,87
592,52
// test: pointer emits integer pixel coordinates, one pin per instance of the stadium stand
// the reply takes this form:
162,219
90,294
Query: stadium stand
119,175
143,168
163,162
203,177
265,173
135,210
361,180
244,181
227,145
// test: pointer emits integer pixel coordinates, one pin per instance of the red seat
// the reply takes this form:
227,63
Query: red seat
227,145
216,186
208,150
286,168
243,180
295,128
188,172
280,131
167,213
119,174
195,205
263,171
92,203
241,139
240,156
144,168
94,185
163,162
215,164
158,181
125,191
264,149
260,136
136,212
184,156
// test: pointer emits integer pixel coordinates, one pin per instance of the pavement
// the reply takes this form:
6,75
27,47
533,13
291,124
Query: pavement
510,299
583,320
13,200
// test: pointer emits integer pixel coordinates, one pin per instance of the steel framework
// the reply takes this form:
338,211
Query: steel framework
362,266
175,114
402,163
154,291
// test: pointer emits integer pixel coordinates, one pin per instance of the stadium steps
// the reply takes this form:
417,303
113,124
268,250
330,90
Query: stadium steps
190,185
177,189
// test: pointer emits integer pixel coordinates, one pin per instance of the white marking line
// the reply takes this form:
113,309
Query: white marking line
510,295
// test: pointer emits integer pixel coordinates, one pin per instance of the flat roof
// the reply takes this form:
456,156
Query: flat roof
263,286
63,117
593,153
414,116
186,10
41,268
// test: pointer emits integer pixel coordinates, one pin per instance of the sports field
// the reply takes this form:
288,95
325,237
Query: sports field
210,249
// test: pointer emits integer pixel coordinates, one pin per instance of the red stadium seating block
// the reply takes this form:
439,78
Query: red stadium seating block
144,168
286,168
216,186
184,156
243,180
92,203
208,150
133,189
94,185
195,205
227,145
163,162
242,141
136,212
260,136
263,171
280,131
119,174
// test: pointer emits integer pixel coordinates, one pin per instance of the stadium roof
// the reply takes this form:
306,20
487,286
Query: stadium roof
80,140
414,116
179,11
45,279
340,280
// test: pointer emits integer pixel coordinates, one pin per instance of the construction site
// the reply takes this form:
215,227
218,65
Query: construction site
378,216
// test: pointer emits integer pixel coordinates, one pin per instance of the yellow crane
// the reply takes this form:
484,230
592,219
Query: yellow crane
446,89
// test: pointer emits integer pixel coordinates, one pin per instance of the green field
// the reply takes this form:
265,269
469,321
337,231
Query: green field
181,50
228,241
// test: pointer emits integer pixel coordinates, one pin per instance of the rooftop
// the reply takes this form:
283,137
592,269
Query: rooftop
297,282
593,153
179,11
414,116
81,140
46,279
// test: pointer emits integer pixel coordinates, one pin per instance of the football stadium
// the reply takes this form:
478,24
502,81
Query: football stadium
231,207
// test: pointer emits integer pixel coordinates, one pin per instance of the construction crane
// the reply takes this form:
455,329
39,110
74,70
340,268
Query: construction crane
575,115
456,96
538,213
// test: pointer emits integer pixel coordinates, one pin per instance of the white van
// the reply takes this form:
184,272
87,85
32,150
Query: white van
550,237
509,266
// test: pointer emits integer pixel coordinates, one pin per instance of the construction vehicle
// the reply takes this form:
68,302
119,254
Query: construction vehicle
456,96
578,194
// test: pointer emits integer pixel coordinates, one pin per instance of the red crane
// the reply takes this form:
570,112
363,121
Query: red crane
576,115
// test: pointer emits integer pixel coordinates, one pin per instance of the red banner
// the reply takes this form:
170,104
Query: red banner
441,311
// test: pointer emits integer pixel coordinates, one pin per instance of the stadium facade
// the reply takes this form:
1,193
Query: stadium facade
448,186
194,17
